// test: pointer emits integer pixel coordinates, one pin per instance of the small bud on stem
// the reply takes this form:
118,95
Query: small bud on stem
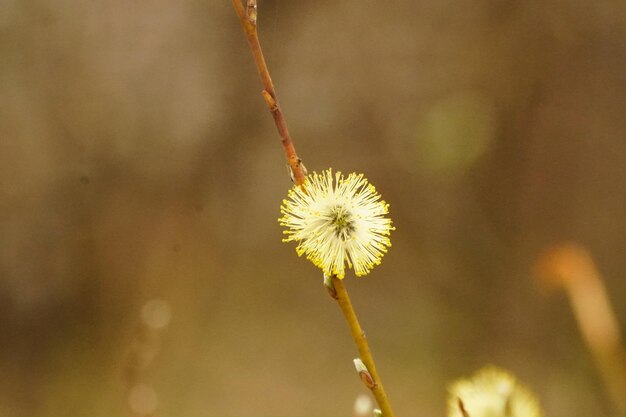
364,374
328,284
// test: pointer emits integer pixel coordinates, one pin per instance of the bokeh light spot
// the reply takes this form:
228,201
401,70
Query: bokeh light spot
143,400
156,314
455,132
363,405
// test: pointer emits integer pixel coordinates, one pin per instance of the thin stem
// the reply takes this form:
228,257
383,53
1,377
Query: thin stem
361,343
248,18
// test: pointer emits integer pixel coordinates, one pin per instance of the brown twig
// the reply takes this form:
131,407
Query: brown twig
248,18
462,408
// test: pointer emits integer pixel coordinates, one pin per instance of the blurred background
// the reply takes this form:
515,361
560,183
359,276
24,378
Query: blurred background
141,264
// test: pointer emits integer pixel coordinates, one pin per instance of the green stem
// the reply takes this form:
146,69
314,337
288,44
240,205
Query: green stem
361,343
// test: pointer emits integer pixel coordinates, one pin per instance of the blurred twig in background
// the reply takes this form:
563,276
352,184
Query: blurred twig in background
571,267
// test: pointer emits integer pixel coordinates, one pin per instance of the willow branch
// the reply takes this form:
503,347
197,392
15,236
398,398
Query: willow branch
363,347
248,19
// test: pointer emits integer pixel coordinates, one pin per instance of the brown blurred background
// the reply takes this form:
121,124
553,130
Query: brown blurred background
138,163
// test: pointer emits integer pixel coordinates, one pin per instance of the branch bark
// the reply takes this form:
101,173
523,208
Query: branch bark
248,19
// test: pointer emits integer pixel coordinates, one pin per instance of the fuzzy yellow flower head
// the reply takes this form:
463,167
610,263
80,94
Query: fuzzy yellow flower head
337,220
492,392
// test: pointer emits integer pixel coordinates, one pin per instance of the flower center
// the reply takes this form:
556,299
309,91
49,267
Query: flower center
341,220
